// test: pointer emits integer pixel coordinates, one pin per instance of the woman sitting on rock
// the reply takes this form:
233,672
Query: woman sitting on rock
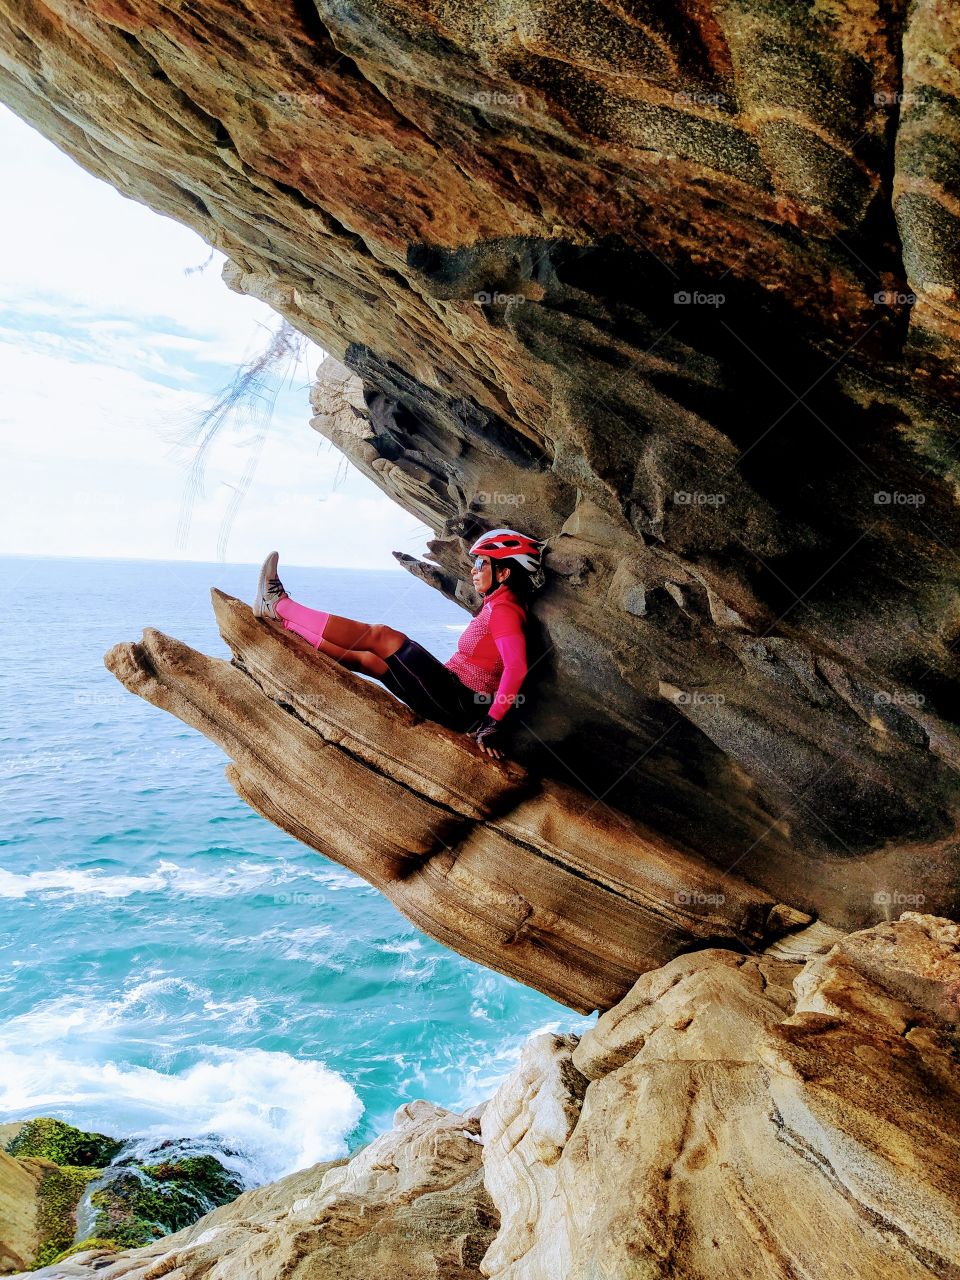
473,690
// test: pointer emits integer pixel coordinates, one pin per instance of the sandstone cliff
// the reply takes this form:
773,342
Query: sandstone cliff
744,1117
530,877
733,1116
675,286
676,282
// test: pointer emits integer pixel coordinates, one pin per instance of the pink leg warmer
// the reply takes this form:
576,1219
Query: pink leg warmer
308,623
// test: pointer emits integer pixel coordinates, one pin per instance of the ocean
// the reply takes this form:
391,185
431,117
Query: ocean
171,965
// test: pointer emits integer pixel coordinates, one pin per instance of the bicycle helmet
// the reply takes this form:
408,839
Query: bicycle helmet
508,544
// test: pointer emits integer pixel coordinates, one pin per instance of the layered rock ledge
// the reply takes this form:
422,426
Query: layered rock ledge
675,286
732,1116
530,877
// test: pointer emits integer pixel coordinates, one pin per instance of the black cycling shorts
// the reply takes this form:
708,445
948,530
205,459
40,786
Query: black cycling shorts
422,681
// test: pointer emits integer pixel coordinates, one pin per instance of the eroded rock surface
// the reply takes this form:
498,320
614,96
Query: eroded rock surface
530,877
20,1229
713,1126
733,1116
412,1204
674,285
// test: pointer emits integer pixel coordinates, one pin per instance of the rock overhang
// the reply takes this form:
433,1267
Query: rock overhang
525,875
620,271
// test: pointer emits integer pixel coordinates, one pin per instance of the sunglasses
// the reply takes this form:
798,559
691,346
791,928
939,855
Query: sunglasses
480,562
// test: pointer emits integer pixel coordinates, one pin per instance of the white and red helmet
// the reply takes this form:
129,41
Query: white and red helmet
508,544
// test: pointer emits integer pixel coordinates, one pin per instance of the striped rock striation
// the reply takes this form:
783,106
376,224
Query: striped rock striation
743,1116
674,285
527,876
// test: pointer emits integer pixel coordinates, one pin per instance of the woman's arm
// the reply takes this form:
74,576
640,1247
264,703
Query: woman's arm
512,648
506,628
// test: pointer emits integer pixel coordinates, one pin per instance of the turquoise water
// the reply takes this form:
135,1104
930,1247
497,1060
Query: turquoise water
171,965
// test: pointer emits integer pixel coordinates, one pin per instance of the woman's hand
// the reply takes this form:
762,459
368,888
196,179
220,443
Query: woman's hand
489,737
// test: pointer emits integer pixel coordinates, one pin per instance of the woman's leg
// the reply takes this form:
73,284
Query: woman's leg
422,681
376,637
342,638
314,626
355,659
309,623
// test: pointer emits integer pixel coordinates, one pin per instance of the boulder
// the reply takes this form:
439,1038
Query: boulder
713,1124
21,1232
412,1204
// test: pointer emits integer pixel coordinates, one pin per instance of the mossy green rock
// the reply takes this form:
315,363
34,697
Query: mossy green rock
57,1200
143,1202
55,1140
91,1242
133,1202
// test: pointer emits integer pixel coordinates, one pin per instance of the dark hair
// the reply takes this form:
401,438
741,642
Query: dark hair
520,582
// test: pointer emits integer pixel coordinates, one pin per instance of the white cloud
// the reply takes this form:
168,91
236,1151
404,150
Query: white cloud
107,351
91,468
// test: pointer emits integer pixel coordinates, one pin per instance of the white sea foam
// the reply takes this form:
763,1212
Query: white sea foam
237,1016
223,882
307,943
484,985
279,1113
81,1019
335,880
166,877
404,948
70,881
413,972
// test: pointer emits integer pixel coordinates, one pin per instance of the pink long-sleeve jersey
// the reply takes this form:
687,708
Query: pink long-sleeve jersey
491,656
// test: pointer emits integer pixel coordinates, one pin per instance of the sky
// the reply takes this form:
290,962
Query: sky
108,354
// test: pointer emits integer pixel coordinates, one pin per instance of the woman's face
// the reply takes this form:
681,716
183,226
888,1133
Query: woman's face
482,574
